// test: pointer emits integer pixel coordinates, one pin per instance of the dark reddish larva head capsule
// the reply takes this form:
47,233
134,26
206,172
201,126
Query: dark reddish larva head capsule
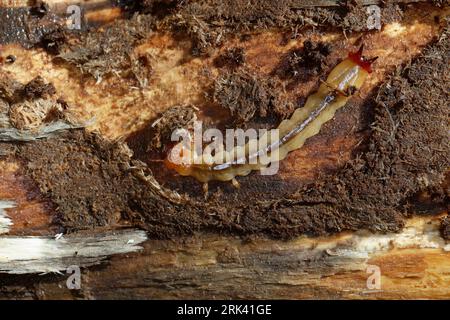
359,59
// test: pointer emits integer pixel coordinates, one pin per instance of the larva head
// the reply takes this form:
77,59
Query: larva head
351,73
180,159
360,60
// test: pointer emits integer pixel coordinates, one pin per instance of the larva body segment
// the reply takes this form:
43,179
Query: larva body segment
342,82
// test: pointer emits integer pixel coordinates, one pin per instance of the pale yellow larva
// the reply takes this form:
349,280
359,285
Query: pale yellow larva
343,81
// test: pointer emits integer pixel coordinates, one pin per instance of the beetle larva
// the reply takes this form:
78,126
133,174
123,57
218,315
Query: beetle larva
342,82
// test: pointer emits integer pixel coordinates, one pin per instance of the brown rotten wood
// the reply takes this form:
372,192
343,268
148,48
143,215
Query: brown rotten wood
414,263
101,4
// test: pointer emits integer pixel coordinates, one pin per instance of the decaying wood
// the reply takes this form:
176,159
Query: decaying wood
414,263
210,267
5,221
37,255
12,134
58,5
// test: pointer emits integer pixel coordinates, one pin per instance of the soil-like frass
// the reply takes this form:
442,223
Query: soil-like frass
95,182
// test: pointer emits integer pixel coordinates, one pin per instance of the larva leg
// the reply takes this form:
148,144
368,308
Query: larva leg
205,190
235,183
333,88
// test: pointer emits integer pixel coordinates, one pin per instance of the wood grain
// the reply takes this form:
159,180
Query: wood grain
414,263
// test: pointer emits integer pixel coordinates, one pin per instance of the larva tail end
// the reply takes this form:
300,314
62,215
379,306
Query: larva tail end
359,59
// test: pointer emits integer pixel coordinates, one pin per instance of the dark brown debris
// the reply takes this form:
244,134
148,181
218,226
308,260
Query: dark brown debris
82,179
93,181
404,155
29,105
38,88
109,51
13,91
247,95
158,8
302,63
157,134
209,22
31,26
10,59
445,228
440,3
231,58
10,89
408,150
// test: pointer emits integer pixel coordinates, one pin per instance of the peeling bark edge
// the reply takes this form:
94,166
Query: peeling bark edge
12,134
5,221
33,255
